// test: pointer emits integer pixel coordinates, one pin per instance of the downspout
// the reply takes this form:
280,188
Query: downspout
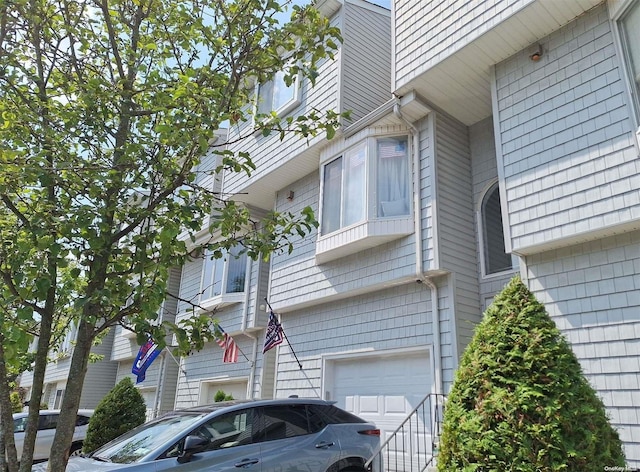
420,274
245,322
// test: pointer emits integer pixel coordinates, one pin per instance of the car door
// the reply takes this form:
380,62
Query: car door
47,423
293,438
229,446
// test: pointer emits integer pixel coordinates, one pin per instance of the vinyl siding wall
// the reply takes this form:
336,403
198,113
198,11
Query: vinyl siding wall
365,60
485,173
429,31
456,242
570,165
387,319
268,153
296,279
592,292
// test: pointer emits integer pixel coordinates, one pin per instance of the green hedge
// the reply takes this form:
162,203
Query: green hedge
121,410
520,402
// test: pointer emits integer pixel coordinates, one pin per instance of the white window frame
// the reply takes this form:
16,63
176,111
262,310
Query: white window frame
373,229
633,87
209,302
484,263
287,106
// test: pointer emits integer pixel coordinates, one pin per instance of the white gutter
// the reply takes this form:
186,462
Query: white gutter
245,322
420,274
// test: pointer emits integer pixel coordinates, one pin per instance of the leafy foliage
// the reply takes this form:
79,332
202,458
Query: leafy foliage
222,396
520,401
121,410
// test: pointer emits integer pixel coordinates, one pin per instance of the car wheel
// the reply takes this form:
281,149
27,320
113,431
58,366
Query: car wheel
76,449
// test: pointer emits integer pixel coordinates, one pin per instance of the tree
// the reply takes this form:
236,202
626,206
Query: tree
107,107
121,410
520,402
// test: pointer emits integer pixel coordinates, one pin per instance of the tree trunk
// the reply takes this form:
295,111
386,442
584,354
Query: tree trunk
40,366
8,461
71,400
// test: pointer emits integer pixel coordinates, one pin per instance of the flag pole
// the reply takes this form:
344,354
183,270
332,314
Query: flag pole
293,352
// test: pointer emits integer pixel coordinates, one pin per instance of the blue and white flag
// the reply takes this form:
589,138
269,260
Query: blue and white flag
147,353
274,334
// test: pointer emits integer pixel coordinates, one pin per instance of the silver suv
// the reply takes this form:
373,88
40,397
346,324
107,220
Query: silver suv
47,423
263,435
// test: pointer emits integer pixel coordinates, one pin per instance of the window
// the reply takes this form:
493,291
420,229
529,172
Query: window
370,180
630,32
223,275
277,96
233,429
495,257
280,422
58,401
47,422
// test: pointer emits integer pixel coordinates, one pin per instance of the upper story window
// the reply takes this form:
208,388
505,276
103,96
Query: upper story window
369,180
630,33
223,275
275,95
494,255
365,196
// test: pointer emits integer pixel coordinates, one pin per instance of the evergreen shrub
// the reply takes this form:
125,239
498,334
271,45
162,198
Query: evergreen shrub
121,410
520,401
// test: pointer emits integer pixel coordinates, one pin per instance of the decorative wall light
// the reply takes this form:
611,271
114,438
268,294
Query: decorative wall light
536,54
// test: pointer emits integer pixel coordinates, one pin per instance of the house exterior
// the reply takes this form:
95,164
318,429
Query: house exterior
99,380
487,138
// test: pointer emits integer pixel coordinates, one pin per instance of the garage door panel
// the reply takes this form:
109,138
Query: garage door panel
385,390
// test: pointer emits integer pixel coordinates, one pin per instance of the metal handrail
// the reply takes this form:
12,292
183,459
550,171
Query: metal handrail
436,410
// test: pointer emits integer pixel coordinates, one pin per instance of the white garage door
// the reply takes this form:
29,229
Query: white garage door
385,390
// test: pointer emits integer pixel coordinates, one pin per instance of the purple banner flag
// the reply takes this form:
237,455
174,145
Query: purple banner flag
274,334
147,353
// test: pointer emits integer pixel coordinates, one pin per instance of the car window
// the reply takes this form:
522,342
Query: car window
282,421
81,420
229,430
335,415
19,424
145,439
47,422
317,419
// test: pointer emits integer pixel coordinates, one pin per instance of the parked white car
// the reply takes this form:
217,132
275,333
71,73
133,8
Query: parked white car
47,429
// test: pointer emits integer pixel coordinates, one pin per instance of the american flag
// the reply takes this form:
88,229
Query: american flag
227,343
274,334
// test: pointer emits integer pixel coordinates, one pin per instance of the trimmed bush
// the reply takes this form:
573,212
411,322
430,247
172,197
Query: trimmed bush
121,410
221,396
520,402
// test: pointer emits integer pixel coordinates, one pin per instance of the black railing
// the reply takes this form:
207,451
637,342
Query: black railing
413,446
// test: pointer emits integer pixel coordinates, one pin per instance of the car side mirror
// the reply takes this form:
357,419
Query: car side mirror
192,444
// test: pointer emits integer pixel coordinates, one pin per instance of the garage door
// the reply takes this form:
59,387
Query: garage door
385,390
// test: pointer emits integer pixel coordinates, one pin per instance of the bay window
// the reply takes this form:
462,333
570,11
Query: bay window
365,196
369,180
223,276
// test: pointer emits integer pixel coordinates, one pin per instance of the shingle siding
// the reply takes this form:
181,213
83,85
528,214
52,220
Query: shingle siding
429,31
387,319
592,292
456,240
365,61
569,162
485,172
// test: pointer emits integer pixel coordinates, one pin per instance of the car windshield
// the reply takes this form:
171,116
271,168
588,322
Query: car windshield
137,443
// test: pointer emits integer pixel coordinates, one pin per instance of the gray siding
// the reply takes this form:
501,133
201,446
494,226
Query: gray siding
570,165
296,279
387,319
190,285
456,242
592,291
207,365
366,60
429,31
485,172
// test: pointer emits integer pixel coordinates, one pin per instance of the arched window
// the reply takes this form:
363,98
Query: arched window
495,257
